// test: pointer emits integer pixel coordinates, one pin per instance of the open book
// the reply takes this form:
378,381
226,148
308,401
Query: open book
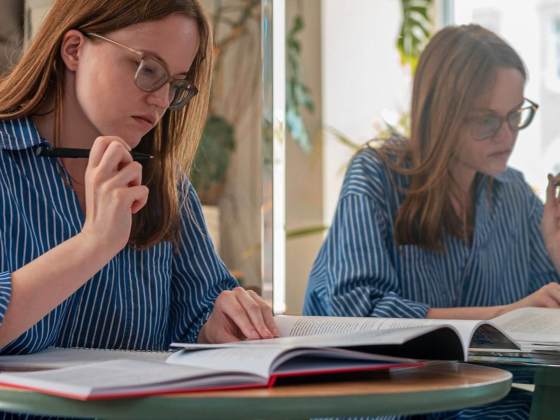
516,332
87,374
306,346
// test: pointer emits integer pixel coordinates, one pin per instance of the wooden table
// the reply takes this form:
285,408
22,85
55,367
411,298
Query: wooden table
439,386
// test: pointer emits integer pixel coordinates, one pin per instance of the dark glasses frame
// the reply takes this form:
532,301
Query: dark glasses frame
532,107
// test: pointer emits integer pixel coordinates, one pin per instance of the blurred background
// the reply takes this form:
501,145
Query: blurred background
345,70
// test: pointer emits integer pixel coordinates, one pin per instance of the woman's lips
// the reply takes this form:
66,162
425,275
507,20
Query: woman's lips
144,122
500,154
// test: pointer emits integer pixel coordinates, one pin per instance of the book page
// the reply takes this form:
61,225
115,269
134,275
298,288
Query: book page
315,325
537,325
105,377
383,341
57,357
242,358
466,329
263,357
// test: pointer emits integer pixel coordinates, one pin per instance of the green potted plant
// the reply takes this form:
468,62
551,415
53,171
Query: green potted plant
213,158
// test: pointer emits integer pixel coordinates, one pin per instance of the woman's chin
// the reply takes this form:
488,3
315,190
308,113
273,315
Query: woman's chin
132,139
495,170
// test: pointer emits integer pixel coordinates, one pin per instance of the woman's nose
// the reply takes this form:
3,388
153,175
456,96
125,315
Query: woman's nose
160,97
505,133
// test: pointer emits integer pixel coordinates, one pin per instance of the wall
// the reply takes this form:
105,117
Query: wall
239,90
11,32
304,171
519,24
353,69
363,81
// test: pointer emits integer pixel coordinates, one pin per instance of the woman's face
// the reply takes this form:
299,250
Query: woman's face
104,78
480,148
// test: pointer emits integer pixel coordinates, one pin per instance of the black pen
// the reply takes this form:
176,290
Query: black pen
67,152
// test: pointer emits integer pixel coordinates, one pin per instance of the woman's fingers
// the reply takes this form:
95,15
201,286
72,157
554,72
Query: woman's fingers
550,191
98,150
228,303
129,176
100,146
138,197
267,313
547,296
550,223
115,157
553,293
250,314
254,311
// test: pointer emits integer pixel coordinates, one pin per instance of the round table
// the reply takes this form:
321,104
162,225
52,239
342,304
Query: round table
439,386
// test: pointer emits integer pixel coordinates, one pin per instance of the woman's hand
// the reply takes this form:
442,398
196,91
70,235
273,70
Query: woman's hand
550,224
113,194
238,314
546,297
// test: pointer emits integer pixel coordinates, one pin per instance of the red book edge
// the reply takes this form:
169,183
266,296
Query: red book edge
270,384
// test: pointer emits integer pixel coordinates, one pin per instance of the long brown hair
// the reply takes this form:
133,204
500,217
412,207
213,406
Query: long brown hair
456,67
39,76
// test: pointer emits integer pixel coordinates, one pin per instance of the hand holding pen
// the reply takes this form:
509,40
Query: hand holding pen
113,193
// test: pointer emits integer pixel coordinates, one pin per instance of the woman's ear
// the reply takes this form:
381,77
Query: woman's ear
72,43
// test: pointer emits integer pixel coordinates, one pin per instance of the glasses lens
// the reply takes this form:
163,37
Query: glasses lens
182,92
523,117
150,75
485,126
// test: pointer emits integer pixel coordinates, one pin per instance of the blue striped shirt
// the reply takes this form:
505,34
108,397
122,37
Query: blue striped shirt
142,299
361,271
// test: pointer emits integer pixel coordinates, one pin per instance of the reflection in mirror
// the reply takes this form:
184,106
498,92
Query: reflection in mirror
533,30
359,73
353,71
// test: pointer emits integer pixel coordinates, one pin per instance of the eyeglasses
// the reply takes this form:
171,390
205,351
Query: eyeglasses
487,126
151,74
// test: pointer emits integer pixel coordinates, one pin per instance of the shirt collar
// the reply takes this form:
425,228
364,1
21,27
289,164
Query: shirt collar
505,177
19,134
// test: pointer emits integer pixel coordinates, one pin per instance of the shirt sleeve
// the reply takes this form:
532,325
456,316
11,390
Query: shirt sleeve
199,275
541,270
5,283
353,274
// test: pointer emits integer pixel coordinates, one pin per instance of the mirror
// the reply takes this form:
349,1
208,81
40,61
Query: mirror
359,82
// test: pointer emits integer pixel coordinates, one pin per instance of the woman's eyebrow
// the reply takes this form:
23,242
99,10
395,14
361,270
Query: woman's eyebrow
493,111
160,58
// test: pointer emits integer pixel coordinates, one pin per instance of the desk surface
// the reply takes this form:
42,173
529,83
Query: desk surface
437,387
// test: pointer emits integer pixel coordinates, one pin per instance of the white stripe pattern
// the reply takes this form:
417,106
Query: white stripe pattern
140,300
361,271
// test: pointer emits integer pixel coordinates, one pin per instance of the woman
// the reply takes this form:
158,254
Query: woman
106,252
436,225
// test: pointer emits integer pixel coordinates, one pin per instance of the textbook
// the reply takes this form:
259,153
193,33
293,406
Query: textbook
307,346
521,331
86,374
536,331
